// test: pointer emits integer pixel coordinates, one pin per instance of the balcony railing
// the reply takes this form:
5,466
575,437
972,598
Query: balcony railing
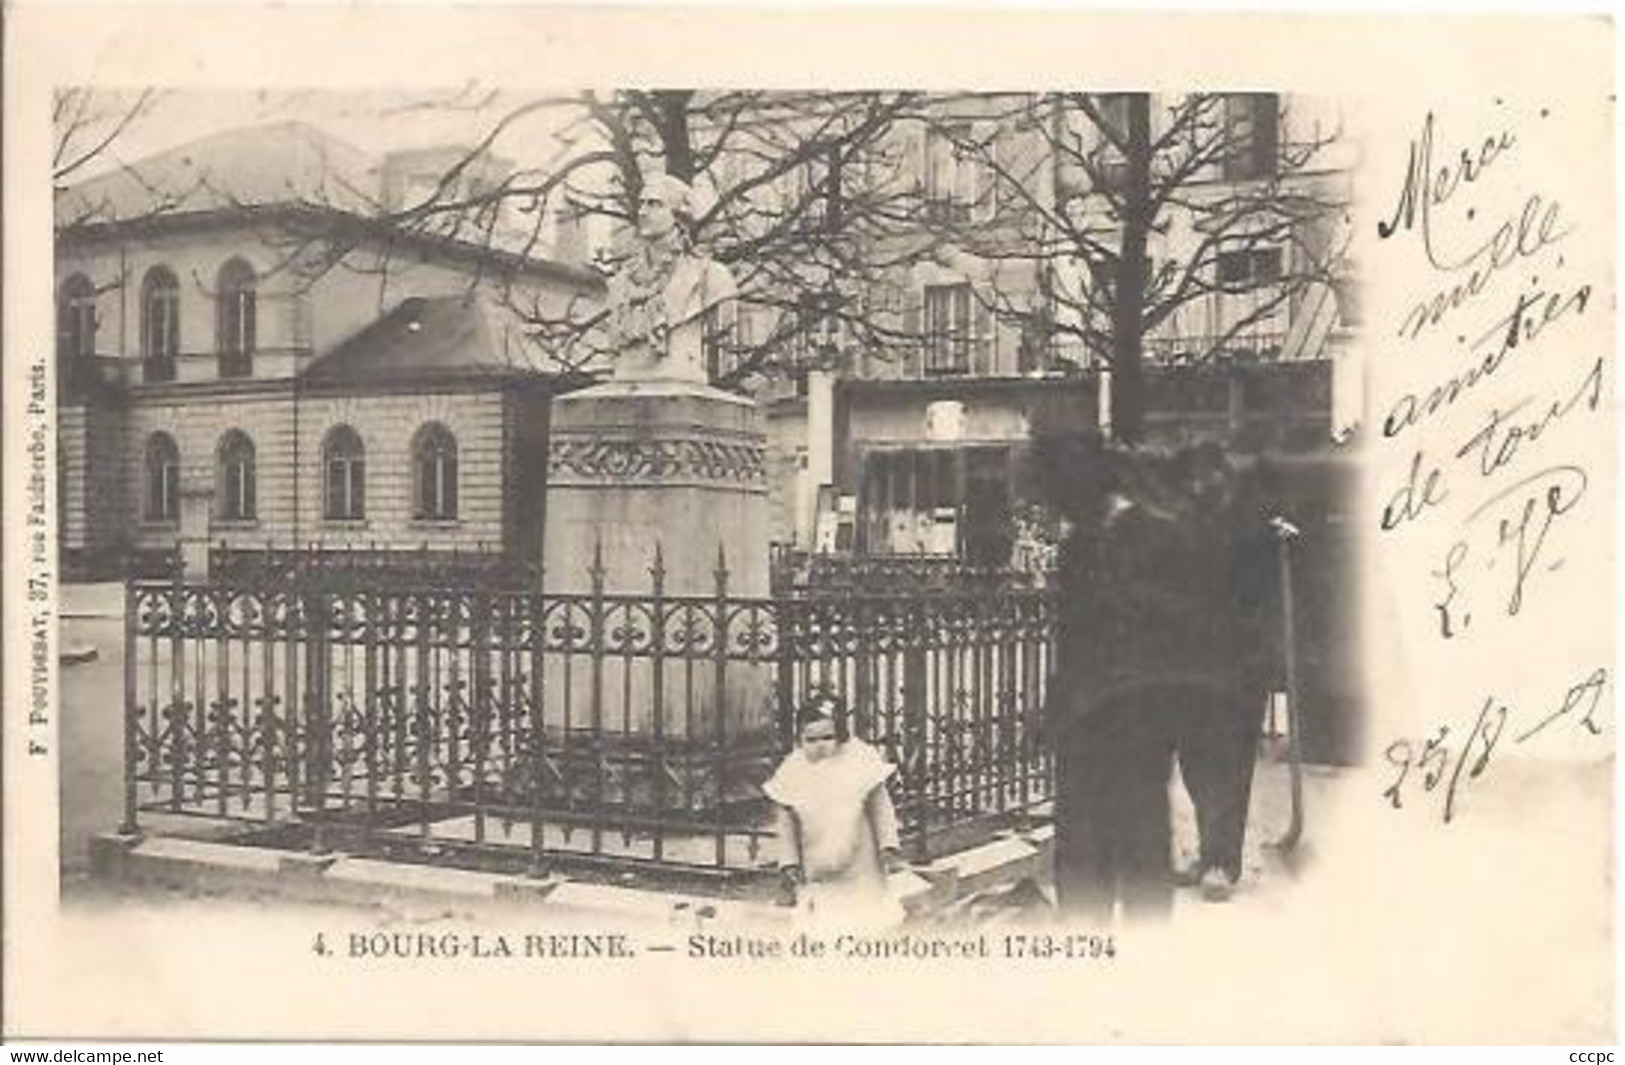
1251,347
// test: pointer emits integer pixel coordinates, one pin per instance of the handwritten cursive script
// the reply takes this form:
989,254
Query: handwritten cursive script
1447,760
1504,523
1523,235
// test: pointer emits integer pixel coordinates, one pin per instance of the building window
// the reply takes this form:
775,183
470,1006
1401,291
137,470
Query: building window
1113,108
947,329
747,327
163,479
160,325
1110,163
1248,268
236,486
818,328
950,174
434,462
1350,308
817,186
720,339
76,319
234,319
1252,135
345,463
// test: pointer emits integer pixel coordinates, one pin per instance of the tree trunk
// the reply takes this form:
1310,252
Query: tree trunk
675,139
1133,275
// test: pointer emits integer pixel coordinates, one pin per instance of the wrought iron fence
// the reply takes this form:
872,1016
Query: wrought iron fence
950,684
516,726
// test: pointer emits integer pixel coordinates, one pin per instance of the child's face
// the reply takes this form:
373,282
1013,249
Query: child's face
818,739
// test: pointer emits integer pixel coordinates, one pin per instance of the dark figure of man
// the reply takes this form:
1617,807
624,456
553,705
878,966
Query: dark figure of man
1149,641
1217,728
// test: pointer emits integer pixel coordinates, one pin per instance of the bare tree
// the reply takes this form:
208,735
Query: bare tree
87,125
808,196
1152,207
798,194
1125,214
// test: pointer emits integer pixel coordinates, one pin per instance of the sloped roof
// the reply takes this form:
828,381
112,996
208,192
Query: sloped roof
443,337
287,165
257,166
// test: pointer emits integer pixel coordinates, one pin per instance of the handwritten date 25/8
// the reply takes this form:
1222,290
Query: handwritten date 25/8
1445,760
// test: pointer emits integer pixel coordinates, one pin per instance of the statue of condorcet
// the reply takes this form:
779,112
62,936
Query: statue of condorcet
659,299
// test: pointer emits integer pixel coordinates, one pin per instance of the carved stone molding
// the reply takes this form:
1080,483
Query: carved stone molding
622,459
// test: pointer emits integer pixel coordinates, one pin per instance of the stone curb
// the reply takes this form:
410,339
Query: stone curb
187,863
1003,861
178,862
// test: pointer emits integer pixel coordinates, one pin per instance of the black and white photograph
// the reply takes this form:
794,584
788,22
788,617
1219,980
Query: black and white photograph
467,513
1090,534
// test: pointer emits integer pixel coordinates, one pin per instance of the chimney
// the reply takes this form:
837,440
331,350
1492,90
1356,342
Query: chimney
410,176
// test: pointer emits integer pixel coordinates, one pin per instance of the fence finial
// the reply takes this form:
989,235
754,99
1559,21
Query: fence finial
596,572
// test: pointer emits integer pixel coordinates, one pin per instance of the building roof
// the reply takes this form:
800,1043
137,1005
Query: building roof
441,337
287,166
256,166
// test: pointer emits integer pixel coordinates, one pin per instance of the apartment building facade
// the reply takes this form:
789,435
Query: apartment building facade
917,441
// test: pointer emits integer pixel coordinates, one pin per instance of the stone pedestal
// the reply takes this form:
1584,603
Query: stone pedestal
636,464
676,465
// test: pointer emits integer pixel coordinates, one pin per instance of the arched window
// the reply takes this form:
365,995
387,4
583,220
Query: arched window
163,478
235,493
160,324
234,319
434,466
345,462
76,319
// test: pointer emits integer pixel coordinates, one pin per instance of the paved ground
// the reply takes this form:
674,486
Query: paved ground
1263,874
91,738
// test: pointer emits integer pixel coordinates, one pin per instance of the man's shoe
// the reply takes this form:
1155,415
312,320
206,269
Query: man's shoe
1216,886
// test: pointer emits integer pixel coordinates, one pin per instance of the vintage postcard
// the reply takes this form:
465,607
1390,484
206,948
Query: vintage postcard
532,524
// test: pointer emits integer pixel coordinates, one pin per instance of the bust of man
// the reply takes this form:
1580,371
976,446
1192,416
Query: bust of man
661,298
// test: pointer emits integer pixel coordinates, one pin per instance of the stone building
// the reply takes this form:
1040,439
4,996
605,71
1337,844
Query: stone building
251,355
248,358
917,445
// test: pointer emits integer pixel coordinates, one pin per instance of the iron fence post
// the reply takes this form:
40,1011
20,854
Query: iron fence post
370,635
596,696
720,706
479,636
537,606
914,733
176,712
423,723
786,610
131,712
317,714
657,698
